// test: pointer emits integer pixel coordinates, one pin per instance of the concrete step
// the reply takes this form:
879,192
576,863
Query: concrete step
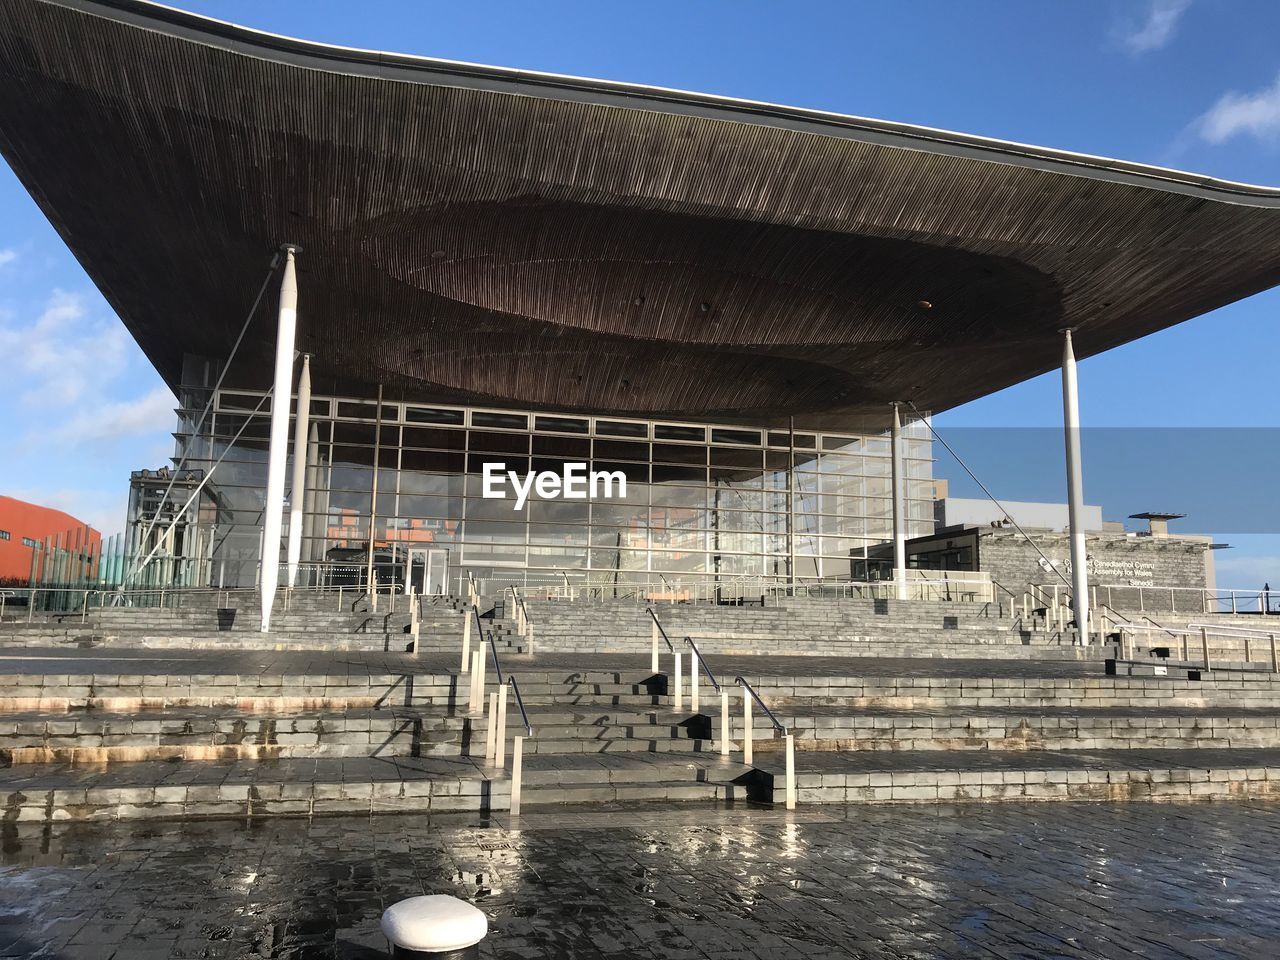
932,776
90,736
245,788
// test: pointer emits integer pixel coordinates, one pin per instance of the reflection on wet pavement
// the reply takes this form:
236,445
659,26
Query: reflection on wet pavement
1010,880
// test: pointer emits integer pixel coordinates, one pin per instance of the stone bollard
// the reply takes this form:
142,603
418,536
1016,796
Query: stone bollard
440,927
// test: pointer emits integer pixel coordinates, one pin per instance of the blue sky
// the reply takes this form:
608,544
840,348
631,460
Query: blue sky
1188,83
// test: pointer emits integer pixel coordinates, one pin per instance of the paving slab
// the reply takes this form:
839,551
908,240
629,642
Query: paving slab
1163,881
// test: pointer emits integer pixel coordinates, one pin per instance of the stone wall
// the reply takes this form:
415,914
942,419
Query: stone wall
1124,563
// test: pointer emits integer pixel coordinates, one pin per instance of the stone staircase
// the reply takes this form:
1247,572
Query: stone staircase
846,628
308,621
157,720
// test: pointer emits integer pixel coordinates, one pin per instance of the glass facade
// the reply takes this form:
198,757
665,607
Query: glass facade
703,502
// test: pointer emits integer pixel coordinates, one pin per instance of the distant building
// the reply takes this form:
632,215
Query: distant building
31,535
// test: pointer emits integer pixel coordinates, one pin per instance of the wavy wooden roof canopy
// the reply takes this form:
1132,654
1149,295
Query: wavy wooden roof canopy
481,235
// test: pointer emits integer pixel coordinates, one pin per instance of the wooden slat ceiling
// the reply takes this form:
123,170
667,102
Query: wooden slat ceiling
480,236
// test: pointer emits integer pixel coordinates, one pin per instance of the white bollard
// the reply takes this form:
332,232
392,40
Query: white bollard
724,722
791,771
748,735
517,771
466,641
478,671
490,755
677,701
436,926
500,748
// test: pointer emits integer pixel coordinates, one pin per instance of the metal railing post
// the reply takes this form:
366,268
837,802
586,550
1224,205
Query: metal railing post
653,636
724,721
500,746
517,773
474,705
694,664
490,755
1204,642
748,734
677,703
414,624
1275,661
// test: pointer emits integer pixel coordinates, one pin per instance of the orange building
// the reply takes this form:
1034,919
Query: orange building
25,527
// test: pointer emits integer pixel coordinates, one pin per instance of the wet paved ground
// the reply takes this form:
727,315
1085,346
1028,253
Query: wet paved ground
1008,881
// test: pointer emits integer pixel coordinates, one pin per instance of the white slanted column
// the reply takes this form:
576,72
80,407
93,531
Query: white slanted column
310,522
1075,490
277,451
899,481
298,492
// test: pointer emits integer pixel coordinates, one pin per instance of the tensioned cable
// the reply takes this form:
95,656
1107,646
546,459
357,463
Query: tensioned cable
275,264
209,473
973,476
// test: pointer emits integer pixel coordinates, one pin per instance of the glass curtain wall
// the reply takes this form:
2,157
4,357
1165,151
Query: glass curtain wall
704,503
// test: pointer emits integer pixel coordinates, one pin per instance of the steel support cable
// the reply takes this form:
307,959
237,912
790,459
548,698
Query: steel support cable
275,265
196,492
974,477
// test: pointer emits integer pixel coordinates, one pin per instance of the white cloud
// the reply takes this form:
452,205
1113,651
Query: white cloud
1256,114
151,413
1158,27
64,353
7,256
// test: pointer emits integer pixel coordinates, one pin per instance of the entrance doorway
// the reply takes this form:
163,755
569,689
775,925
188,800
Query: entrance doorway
427,570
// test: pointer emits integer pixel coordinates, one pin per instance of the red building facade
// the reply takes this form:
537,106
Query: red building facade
28,528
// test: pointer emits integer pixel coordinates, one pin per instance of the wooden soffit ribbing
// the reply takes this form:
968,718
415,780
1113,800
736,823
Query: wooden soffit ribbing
479,235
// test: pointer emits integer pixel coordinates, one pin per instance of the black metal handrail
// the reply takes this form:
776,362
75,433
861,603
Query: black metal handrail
662,632
741,681
705,669
515,688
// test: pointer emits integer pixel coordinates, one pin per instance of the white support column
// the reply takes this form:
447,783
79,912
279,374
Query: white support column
899,505
1075,490
298,493
273,509
310,520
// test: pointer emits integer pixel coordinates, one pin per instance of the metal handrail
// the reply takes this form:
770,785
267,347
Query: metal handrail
662,632
1228,628
705,669
497,664
515,688
742,682
1117,615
